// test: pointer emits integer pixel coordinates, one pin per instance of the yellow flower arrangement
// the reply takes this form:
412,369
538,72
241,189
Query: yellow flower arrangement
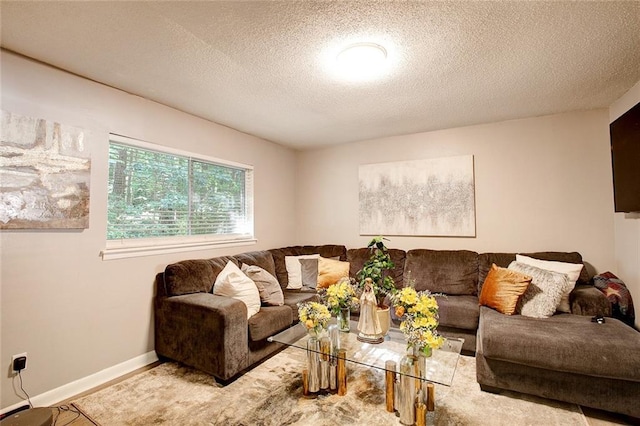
341,295
314,315
420,312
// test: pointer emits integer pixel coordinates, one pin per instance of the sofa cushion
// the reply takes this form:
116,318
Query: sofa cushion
565,257
543,295
460,312
572,270
502,288
262,258
357,258
269,321
443,271
268,286
309,273
331,271
563,342
294,269
588,300
232,282
485,260
504,259
193,276
292,298
329,251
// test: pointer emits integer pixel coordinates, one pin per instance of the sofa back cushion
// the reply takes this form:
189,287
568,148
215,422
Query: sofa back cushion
504,259
262,258
328,251
357,258
193,276
443,271
485,260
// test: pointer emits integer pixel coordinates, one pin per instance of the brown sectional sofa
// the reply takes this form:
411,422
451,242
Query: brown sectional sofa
565,357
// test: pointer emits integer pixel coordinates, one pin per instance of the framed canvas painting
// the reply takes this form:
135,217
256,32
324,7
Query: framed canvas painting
430,197
45,170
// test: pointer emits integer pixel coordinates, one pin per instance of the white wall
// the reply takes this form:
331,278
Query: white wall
73,313
627,225
541,184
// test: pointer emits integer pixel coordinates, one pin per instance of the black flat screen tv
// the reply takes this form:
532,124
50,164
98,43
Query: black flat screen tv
625,159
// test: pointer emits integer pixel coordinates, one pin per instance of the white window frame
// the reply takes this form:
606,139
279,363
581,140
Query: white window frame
126,248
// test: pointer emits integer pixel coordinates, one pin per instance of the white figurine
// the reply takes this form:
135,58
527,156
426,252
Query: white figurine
369,324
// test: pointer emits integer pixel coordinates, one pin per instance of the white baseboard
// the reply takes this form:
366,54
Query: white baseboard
69,390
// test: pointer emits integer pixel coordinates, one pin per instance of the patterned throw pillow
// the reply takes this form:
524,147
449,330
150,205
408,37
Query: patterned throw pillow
544,293
502,288
571,269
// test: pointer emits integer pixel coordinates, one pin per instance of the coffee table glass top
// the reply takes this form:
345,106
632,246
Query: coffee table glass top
441,366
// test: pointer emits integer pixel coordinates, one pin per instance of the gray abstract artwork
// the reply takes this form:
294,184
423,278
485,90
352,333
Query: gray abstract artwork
45,171
431,197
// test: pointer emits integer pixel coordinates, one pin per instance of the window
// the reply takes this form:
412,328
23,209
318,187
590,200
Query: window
164,200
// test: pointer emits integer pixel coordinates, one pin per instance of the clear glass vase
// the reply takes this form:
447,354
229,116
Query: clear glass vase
313,364
406,389
344,316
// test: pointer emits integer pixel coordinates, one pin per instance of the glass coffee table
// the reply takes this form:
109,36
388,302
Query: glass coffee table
329,351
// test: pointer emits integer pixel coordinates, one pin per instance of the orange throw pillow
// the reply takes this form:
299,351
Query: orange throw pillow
330,271
502,288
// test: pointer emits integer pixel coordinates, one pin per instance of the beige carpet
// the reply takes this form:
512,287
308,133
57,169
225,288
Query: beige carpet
270,394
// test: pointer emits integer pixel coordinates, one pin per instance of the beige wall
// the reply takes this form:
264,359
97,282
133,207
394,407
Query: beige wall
73,313
541,184
627,225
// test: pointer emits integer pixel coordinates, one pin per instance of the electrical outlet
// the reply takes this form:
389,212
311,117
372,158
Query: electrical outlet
19,362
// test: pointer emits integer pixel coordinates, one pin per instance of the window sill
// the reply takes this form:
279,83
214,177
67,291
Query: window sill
113,253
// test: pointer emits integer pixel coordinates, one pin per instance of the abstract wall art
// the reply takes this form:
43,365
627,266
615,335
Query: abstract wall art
45,171
431,197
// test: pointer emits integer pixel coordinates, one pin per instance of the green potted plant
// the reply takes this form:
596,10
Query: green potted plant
376,268
374,275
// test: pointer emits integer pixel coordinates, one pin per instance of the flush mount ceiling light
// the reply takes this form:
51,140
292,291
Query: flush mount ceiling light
362,61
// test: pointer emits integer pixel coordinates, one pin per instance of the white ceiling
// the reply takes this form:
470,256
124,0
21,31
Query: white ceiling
260,67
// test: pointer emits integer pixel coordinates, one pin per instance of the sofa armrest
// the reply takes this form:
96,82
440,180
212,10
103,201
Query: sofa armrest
204,331
588,300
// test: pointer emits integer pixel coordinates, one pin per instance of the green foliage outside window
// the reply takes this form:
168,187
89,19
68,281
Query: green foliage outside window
157,194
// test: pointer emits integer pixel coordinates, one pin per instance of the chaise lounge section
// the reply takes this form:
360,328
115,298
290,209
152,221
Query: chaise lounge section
566,357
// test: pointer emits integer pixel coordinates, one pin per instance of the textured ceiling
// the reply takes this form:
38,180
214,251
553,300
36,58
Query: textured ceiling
261,67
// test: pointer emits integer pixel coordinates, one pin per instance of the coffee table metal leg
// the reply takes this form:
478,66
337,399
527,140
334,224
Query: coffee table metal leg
390,383
305,382
342,372
431,397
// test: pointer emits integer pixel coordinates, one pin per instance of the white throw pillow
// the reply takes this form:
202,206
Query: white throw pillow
571,269
232,282
543,293
294,269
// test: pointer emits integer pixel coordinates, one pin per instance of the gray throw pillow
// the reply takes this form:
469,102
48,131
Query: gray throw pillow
268,286
543,295
309,272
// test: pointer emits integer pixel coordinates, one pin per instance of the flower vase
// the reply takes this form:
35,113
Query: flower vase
344,317
406,389
421,355
313,364
316,332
